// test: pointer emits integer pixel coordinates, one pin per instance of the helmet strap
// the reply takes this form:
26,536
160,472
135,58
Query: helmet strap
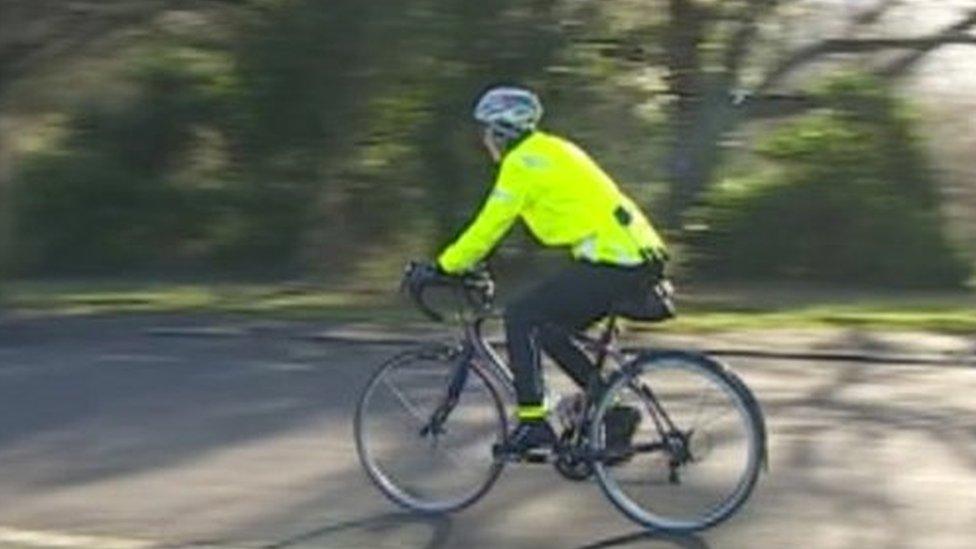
499,142
494,143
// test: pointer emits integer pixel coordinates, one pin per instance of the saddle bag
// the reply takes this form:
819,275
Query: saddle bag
654,302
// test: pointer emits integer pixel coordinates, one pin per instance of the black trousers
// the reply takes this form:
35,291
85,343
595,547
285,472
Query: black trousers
569,301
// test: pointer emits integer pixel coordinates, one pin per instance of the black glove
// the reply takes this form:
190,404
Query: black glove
420,273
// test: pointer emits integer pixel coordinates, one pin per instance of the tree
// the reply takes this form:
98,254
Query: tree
712,53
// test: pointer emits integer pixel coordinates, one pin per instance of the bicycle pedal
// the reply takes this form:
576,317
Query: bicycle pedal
537,455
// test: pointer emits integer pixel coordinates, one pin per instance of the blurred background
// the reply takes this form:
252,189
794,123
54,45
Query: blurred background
205,207
181,154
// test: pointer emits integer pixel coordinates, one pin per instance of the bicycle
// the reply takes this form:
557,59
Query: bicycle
450,403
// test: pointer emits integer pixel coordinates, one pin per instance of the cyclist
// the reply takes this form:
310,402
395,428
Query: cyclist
566,200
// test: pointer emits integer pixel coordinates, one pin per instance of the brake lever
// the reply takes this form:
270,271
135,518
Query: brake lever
417,293
427,310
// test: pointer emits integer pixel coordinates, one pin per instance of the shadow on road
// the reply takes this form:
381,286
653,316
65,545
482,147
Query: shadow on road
685,541
381,525
249,439
124,404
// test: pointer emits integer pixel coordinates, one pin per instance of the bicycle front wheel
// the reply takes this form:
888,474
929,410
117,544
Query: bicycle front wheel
696,449
425,427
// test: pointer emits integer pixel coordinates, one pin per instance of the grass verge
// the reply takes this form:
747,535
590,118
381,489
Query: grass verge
700,311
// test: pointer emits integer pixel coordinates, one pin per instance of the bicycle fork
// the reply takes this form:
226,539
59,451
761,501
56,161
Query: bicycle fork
459,377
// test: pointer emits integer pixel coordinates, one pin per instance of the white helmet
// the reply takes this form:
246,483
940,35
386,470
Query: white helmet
508,111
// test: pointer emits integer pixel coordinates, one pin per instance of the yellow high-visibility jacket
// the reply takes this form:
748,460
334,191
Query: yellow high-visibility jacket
566,200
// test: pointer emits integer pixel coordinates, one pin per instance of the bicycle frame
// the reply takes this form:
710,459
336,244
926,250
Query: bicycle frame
596,438
477,352
493,365
476,346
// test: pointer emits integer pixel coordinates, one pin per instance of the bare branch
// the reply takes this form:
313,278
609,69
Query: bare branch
954,34
872,15
738,47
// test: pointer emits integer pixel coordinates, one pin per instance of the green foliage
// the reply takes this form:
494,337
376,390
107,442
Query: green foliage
306,130
847,196
302,131
79,211
133,184
99,199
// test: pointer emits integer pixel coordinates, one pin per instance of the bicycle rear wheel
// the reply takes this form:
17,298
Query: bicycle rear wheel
697,450
424,450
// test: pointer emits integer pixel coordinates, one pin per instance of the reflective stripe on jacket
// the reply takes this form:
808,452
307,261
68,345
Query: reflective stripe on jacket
566,200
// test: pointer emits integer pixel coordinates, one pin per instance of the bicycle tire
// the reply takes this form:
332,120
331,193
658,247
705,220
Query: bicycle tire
382,480
750,413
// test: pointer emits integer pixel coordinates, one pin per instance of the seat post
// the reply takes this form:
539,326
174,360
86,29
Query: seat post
606,338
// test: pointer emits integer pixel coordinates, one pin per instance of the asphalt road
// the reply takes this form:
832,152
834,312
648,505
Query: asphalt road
110,437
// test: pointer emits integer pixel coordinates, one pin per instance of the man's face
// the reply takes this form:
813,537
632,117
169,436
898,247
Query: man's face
489,141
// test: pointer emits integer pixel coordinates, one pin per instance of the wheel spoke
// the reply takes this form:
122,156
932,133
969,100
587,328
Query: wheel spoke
712,419
435,442
698,405
452,455
702,397
433,471
407,405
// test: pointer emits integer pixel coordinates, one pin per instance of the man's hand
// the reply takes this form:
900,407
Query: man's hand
418,274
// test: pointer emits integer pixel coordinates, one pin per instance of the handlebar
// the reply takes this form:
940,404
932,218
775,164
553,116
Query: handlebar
474,290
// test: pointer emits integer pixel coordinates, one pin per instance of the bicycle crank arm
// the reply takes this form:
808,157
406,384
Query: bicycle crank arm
648,447
539,456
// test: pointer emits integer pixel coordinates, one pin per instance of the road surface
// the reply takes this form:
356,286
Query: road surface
110,437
